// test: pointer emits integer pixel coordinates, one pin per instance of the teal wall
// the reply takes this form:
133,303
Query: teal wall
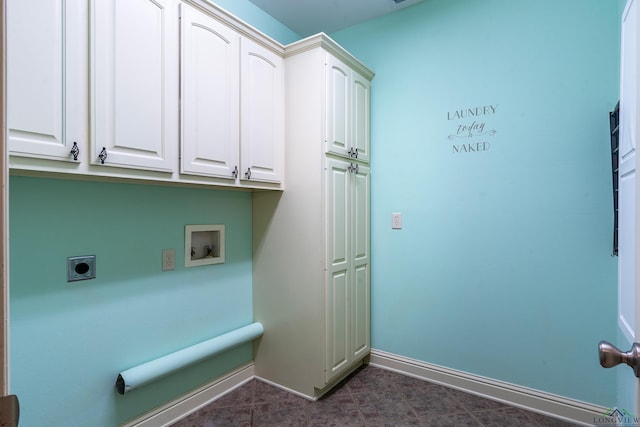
70,340
503,266
253,15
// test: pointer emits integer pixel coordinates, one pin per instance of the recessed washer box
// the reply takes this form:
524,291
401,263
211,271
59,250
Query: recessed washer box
81,268
203,244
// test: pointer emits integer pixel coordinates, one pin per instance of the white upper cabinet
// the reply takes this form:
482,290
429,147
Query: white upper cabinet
262,117
347,111
134,69
232,103
210,115
47,79
174,91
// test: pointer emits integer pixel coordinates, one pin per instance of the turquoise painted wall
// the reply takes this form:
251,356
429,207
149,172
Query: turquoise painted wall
70,340
259,19
503,265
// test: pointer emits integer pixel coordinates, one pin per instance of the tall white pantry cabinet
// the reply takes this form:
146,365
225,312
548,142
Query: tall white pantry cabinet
311,263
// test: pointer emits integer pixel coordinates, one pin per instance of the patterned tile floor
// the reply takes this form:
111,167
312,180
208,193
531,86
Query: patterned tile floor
369,397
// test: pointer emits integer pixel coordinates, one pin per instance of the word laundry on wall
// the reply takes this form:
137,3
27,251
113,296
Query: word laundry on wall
471,123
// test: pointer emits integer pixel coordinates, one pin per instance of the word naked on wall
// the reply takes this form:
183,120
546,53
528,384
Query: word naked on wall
470,131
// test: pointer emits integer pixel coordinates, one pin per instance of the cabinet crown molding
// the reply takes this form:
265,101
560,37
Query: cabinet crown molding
236,24
327,43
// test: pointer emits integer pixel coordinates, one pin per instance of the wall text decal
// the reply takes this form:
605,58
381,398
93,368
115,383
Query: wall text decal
471,123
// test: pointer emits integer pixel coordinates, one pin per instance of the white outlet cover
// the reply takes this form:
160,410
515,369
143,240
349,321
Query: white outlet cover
396,220
168,259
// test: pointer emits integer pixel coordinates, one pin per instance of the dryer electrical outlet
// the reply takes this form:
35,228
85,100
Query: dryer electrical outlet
81,268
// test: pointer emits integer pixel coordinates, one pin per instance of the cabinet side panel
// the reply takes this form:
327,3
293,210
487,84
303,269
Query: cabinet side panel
288,244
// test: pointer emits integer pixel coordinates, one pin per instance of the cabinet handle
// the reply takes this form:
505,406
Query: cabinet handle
235,172
248,173
355,153
353,168
103,155
75,151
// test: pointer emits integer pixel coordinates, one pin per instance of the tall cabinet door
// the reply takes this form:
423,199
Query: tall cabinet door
210,69
360,230
262,117
338,88
360,118
47,95
338,287
135,83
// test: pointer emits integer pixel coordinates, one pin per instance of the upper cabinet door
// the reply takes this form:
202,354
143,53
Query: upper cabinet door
338,135
262,113
134,68
210,69
47,95
360,119
347,111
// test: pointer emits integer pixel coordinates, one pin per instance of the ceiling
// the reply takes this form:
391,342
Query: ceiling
307,17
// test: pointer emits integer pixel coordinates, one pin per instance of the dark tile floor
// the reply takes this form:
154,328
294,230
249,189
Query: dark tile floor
369,397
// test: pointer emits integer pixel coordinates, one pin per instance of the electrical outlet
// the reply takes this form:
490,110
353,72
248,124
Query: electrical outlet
396,220
81,268
168,259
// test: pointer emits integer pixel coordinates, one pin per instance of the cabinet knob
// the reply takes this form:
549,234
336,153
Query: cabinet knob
235,172
103,155
75,151
248,173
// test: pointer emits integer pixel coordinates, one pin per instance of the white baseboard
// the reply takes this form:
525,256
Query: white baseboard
177,409
541,402
537,401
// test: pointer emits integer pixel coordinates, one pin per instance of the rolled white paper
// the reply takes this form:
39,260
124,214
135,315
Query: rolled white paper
140,375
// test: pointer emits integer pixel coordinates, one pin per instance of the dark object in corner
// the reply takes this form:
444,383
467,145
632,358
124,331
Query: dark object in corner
614,124
9,411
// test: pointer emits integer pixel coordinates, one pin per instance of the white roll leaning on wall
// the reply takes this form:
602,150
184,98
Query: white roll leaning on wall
140,375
